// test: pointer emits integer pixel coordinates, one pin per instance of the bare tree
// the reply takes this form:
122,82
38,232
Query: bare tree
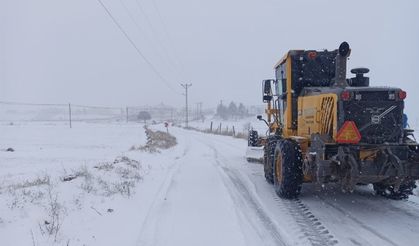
144,115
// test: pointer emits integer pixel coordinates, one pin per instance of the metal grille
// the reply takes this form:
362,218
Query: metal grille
326,115
378,121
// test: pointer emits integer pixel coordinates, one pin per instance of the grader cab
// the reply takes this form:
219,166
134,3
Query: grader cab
324,127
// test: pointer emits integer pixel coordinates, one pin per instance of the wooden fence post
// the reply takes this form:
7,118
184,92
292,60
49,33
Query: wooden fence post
69,114
127,113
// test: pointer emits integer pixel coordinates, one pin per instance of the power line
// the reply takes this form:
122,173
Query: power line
95,107
141,31
155,32
31,104
57,105
167,34
135,47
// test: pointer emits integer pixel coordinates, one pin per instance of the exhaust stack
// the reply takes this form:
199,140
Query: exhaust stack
341,58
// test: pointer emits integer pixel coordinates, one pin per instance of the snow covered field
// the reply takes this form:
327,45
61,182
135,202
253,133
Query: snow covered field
86,187
102,205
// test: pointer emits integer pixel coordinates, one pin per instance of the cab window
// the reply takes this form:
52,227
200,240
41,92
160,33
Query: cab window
281,77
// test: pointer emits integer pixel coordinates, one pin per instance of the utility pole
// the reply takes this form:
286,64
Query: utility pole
186,86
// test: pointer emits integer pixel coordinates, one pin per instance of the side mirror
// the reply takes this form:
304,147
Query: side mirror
259,117
267,98
267,90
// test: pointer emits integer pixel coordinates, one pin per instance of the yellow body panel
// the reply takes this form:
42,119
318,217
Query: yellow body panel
317,114
288,131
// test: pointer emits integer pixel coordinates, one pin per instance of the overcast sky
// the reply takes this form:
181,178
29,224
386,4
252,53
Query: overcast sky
59,51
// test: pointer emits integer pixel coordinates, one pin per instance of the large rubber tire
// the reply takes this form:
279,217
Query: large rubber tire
403,193
252,139
268,160
288,171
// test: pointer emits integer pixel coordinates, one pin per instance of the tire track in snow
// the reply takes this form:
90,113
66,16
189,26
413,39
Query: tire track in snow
245,198
410,208
145,236
359,223
310,226
363,202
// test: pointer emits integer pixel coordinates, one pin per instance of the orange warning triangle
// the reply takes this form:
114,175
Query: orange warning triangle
348,133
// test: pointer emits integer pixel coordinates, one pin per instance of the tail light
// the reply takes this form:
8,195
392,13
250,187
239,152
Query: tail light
312,55
345,96
402,95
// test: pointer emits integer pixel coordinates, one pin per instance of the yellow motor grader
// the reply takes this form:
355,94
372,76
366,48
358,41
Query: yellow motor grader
324,127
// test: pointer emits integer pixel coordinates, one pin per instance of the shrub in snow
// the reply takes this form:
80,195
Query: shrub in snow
44,180
156,140
110,178
27,191
55,213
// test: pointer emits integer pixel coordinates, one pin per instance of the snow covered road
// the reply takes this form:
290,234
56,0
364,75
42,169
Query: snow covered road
200,192
216,197
202,204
